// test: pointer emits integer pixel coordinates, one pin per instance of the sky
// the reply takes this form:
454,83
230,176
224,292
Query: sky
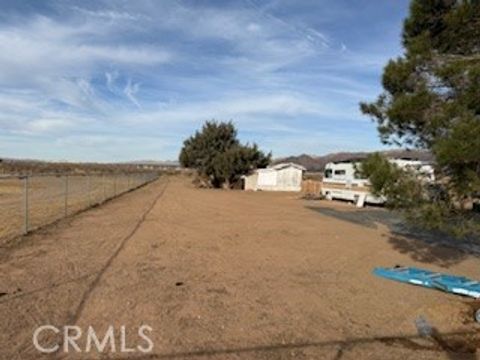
112,81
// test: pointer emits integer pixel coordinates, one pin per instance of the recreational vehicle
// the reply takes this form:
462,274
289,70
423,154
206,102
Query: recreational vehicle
341,180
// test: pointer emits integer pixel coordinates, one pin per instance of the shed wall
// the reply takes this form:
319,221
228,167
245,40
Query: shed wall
250,182
288,179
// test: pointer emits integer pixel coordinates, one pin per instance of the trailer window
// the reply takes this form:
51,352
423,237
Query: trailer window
328,173
340,172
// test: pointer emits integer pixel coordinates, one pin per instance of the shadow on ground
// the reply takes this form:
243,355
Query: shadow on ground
423,251
364,217
460,345
420,245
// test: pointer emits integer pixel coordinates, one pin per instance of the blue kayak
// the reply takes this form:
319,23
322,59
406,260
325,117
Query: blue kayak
449,283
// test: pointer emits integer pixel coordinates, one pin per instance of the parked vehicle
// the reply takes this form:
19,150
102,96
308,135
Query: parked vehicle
341,180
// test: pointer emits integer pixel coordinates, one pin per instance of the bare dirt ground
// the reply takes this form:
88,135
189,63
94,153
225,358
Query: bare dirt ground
232,275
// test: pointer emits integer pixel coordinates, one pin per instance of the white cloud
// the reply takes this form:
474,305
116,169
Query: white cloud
26,112
253,27
43,48
111,77
111,15
56,61
242,108
48,125
72,76
130,90
266,41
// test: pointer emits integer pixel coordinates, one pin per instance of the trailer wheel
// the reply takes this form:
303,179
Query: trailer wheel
476,315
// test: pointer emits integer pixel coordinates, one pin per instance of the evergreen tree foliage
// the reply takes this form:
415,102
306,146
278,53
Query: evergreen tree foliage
219,157
431,100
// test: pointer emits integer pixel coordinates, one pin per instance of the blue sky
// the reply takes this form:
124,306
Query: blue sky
112,80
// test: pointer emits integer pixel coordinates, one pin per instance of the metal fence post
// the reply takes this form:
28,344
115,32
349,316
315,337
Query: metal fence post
89,190
66,195
104,188
25,205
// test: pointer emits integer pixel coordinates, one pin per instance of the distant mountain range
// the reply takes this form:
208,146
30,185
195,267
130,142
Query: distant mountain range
310,162
165,163
317,163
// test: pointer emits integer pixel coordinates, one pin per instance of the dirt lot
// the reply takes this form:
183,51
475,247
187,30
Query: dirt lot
232,275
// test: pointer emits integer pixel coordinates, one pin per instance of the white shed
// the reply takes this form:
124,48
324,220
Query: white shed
280,177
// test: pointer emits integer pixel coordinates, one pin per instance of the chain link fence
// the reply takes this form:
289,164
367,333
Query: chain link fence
29,202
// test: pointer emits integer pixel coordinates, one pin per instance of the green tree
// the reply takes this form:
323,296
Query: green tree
401,188
431,100
219,157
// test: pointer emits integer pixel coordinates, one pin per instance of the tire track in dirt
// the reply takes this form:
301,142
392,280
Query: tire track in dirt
34,315
80,277
50,287
73,319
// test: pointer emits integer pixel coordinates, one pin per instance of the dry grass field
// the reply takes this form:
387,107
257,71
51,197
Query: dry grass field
46,197
234,275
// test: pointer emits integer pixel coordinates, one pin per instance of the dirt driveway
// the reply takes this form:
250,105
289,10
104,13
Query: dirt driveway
230,275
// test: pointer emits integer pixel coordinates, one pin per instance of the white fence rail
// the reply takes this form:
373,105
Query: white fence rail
29,202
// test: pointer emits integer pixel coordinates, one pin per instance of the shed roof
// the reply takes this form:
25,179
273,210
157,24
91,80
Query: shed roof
287,165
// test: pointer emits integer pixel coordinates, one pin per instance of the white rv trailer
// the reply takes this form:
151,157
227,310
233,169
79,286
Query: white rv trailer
340,180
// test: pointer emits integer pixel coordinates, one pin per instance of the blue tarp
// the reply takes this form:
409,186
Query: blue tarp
445,282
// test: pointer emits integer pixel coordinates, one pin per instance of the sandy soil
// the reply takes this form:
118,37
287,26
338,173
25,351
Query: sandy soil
232,275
